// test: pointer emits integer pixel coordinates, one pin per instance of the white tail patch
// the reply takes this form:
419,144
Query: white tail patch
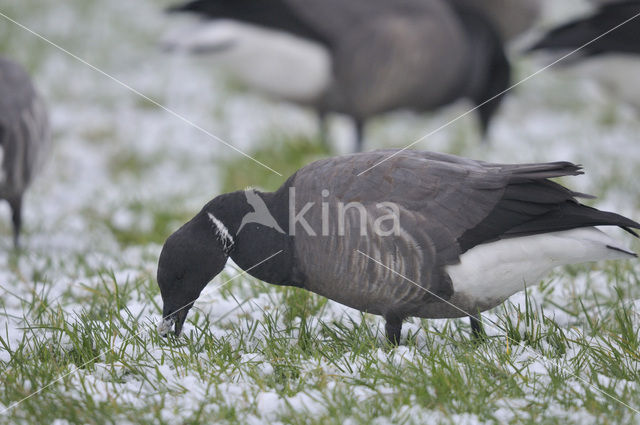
274,62
223,233
497,270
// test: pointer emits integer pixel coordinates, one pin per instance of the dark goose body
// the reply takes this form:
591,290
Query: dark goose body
611,28
607,48
371,56
470,235
24,136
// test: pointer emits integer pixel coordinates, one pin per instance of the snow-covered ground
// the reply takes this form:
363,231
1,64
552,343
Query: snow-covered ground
124,170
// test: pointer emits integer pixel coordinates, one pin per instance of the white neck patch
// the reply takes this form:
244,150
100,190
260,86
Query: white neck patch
223,233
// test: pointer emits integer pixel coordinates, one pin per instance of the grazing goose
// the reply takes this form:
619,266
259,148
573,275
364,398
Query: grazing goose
614,58
24,137
421,234
360,58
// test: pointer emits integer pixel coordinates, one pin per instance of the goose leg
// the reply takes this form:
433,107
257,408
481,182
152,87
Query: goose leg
393,327
16,215
477,330
359,125
323,129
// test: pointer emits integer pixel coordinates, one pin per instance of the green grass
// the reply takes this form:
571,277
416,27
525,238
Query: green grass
283,153
163,223
112,364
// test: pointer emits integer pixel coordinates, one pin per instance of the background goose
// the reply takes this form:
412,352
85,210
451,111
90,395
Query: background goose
422,234
612,59
360,58
24,137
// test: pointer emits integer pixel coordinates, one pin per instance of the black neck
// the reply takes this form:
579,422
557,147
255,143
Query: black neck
260,250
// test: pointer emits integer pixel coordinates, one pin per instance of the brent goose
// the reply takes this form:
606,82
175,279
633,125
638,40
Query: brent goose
613,54
24,137
359,57
422,234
